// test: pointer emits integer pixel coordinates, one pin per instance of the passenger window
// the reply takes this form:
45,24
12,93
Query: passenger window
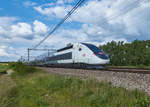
80,49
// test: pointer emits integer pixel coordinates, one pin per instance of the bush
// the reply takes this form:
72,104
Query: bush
143,102
3,72
11,65
21,69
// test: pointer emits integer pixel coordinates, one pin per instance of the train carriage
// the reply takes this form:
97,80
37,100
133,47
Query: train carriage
77,55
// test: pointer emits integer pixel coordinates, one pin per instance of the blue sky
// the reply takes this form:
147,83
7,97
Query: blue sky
23,23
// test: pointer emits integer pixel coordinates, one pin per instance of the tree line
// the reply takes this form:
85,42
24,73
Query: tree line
128,54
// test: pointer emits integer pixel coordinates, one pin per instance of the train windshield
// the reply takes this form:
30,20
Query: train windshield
98,52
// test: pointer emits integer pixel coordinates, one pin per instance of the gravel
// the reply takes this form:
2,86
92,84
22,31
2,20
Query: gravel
129,81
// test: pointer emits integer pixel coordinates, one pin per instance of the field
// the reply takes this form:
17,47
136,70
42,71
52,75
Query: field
41,89
3,67
6,85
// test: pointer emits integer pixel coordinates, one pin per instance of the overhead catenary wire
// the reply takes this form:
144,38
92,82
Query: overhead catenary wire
127,8
73,9
60,23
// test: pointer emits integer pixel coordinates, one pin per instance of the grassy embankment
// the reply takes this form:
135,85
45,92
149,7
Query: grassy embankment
6,84
139,66
3,68
35,88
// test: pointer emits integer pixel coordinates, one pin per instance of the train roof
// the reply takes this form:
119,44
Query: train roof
65,48
71,46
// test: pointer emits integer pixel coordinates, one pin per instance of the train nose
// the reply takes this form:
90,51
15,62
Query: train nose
105,61
108,61
101,61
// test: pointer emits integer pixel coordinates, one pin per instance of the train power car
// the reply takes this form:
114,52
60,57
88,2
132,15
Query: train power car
78,55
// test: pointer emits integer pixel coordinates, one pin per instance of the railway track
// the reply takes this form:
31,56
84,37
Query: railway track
130,70
115,69
128,78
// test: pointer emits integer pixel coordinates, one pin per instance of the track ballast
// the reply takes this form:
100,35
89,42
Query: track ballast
135,79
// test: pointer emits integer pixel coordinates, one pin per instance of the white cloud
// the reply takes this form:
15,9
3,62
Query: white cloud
139,24
8,53
119,18
17,37
29,3
5,21
60,2
21,29
3,52
92,12
57,11
64,1
101,22
116,17
64,36
39,27
2,31
69,1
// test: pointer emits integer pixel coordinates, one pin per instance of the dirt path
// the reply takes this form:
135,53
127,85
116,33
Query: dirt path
6,83
127,80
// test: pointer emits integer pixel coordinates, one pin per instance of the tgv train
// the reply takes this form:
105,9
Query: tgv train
78,55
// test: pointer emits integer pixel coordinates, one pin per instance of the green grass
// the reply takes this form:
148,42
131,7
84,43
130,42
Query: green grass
3,68
40,89
139,66
49,90
6,85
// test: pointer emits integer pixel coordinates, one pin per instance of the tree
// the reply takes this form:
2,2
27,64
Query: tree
135,53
